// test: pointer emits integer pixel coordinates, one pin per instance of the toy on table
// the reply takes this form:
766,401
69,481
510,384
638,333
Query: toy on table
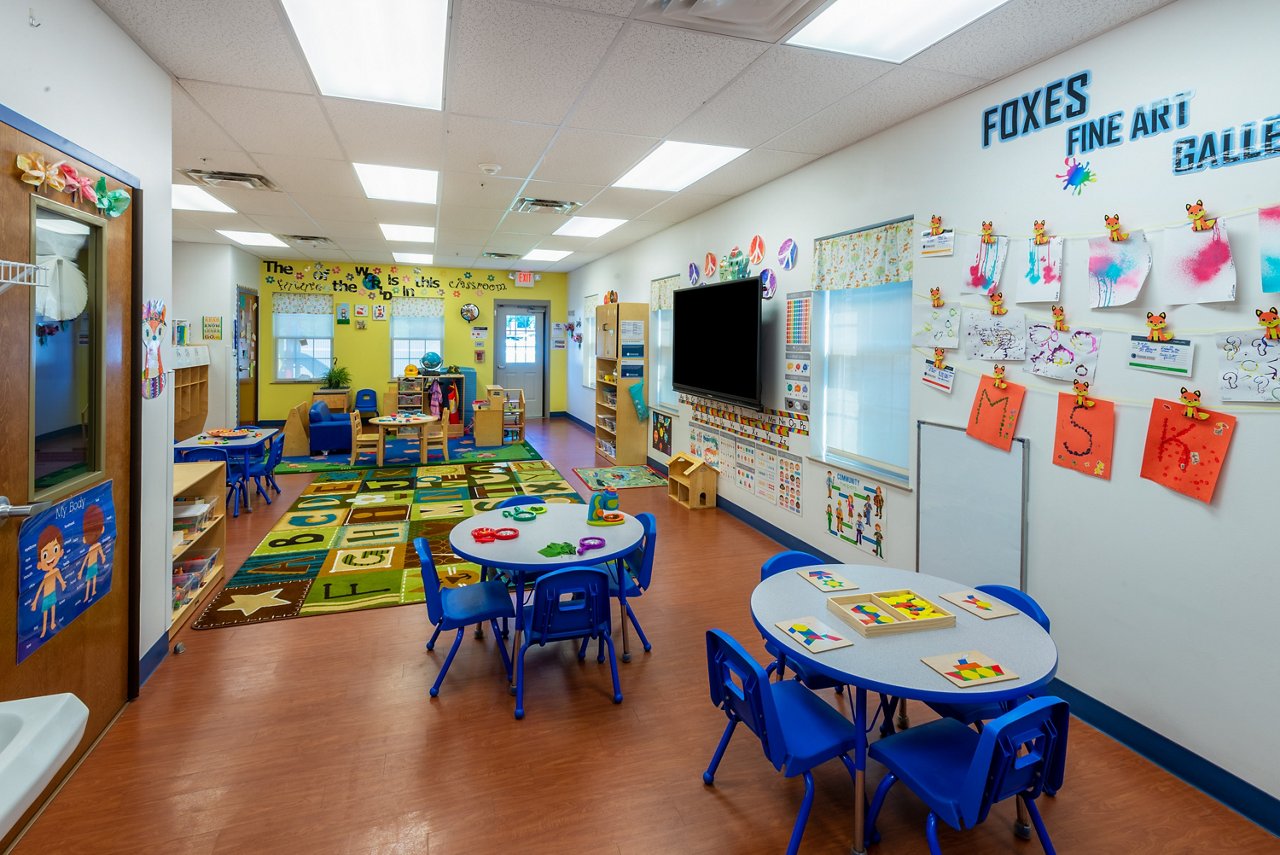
227,433
588,543
520,514
1195,213
554,550
489,535
602,509
1270,321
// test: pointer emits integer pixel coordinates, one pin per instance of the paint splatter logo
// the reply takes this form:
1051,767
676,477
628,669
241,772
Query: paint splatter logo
1077,175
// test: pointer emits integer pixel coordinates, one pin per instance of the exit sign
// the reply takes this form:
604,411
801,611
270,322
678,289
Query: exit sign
524,278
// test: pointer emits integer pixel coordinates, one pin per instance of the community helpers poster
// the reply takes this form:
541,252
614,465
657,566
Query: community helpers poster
64,565
855,512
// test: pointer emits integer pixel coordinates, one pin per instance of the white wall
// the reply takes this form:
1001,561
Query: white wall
1123,567
79,75
203,284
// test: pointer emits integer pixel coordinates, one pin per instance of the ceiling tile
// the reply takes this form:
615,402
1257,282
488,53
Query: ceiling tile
470,218
562,192
193,128
623,202
512,243
592,157
358,253
479,191
534,223
621,8
515,146
521,61
682,207
754,168
448,235
311,174
361,247
902,93
409,213
257,201
324,254
268,122
288,225
238,42
212,220
778,90
387,134
656,76
343,230
321,207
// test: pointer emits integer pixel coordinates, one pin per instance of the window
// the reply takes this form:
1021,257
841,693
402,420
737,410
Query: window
302,325
664,394
520,340
417,328
589,340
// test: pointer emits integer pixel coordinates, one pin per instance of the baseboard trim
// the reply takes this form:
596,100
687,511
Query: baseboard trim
152,658
577,421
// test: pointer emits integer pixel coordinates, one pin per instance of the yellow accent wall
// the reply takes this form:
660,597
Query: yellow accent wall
367,352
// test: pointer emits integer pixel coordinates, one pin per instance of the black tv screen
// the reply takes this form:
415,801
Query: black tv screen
716,341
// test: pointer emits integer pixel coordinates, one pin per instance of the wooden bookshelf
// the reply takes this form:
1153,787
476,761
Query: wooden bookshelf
206,479
410,394
190,400
622,353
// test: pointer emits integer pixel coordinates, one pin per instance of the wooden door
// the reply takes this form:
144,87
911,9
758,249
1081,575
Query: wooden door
92,655
247,356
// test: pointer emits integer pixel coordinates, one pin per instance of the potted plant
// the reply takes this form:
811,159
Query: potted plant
336,379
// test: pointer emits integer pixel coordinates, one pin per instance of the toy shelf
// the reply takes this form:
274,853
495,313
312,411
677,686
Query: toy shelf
410,395
621,362
206,481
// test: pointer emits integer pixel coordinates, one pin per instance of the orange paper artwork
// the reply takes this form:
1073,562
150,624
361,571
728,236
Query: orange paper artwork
995,412
1186,454
1083,437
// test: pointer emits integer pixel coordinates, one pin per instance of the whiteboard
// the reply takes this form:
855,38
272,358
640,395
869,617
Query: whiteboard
971,508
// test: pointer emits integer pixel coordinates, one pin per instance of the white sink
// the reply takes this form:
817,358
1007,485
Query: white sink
37,735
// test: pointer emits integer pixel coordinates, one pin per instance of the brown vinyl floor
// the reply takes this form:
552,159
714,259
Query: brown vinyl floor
317,736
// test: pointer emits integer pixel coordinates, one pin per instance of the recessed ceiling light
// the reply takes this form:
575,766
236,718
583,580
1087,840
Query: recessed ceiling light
252,238
411,234
675,165
893,32
546,254
588,227
398,183
188,197
406,66
414,257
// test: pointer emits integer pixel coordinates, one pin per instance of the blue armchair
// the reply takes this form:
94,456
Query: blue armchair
329,431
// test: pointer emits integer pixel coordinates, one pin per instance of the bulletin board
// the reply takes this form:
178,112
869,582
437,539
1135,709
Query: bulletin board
971,523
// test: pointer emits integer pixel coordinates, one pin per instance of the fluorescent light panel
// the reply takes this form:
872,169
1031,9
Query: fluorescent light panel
588,226
409,234
547,254
188,197
391,51
891,31
414,257
252,238
675,165
398,183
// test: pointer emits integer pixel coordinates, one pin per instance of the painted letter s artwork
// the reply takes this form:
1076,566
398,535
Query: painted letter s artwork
1117,269
153,325
1197,266
1186,454
1084,435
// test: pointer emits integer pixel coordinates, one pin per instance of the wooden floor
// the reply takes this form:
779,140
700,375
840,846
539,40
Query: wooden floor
317,735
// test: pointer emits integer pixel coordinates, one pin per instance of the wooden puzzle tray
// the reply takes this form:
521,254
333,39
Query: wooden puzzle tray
888,612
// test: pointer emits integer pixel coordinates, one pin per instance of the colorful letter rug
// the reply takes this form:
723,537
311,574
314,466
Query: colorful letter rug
347,543
400,452
620,477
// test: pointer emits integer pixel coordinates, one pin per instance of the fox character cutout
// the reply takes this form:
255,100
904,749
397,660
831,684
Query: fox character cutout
1270,321
939,358
997,303
987,236
935,297
935,225
1040,238
1157,328
1113,227
1081,388
1199,223
997,377
1191,400
1060,318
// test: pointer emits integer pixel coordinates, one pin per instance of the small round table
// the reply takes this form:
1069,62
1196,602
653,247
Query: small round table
560,523
419,421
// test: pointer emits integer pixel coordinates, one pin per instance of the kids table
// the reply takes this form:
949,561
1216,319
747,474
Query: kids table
560,523
239,446
891,664
418,421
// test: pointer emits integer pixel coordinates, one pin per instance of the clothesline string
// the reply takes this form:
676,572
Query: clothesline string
1230,215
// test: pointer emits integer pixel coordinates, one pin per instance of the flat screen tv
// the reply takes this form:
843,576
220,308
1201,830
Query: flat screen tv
716,341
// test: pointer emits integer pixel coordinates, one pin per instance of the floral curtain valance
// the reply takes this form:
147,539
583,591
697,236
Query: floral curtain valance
874,256
302,304
660,292
417,307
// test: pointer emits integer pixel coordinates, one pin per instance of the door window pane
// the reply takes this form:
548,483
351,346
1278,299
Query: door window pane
521,340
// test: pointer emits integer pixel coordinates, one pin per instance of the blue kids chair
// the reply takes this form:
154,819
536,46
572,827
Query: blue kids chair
366,403
960,773
237,473
797,730
637,573
458,608
509,502
792,560
260,470
568,603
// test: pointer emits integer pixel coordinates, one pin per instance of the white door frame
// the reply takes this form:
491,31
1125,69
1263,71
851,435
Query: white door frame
544,343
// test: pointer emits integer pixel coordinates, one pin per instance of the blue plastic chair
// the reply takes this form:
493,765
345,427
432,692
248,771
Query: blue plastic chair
569,603
366,402
458,608
237,473
960,773
260,469
637,572
509,502
797,730
792,560
274,457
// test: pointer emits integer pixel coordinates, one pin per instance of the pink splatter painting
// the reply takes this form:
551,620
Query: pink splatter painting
988,263
1042,279
1117,269
1198,267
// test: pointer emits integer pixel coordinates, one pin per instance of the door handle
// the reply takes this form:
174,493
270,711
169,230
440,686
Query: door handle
7,510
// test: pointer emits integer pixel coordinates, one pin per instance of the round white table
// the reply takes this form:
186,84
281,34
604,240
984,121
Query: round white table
891,664
560,523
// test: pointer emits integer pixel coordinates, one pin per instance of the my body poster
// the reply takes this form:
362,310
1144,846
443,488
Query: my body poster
65,555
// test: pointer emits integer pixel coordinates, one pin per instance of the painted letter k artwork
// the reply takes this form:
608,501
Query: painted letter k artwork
1186,454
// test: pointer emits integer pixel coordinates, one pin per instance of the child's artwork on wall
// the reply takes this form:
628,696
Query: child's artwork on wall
855,512
988,263
1269,247
1064,356
1196,266
1186,452
379,311
344,314
1117,269
932,327
812,634
64,564
1248,366
362,310
969,668
994,415
1041,281
1084,434
995,337
661,433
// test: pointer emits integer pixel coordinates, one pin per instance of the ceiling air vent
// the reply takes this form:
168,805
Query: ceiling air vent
312,241
502,256
761,20
218,178
527,205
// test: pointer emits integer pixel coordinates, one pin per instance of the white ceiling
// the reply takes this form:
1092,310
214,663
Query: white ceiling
566,95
